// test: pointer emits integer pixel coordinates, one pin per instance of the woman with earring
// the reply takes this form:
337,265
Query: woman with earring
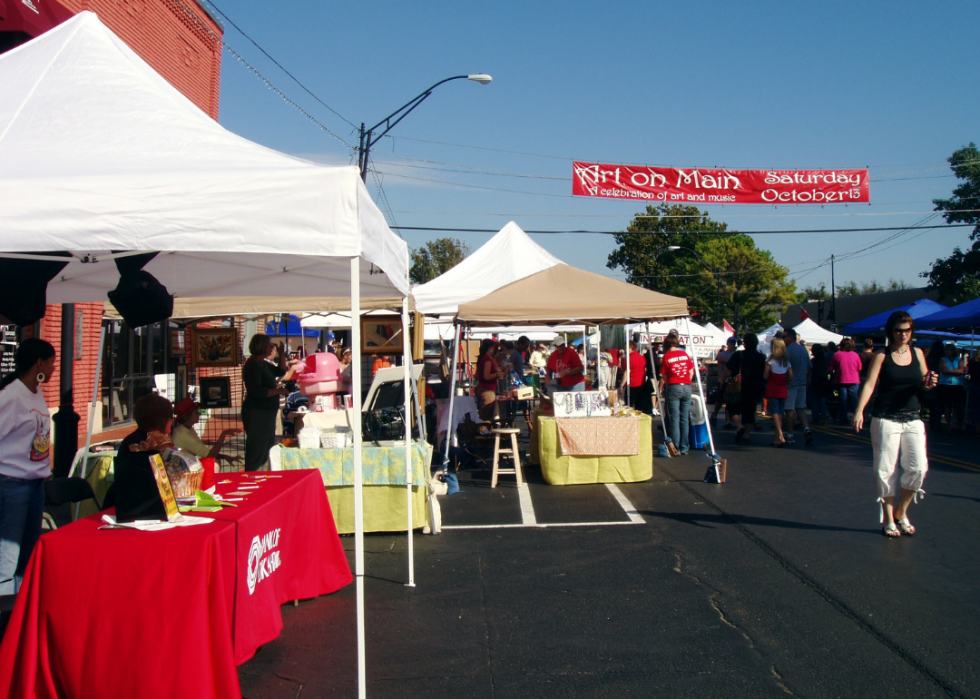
25,463
898,434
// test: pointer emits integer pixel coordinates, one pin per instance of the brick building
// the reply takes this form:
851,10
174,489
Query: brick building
182,41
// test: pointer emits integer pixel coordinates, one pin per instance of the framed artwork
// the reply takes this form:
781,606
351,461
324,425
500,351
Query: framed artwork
176,343
382,334
215,392
214,347
180,390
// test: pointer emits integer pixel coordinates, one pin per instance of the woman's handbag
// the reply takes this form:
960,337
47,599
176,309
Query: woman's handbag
733,389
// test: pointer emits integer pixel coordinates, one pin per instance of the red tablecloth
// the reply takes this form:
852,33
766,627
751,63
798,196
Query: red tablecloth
126,614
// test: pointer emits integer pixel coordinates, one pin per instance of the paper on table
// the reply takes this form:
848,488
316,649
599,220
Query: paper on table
154,525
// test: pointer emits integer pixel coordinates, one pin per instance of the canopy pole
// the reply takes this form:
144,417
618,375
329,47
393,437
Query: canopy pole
452,401
91,414
407,422
697,372
629,336
355,332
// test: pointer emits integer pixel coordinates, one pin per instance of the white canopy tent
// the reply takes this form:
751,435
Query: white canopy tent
814,334
99,153
766,336
702,343
508,256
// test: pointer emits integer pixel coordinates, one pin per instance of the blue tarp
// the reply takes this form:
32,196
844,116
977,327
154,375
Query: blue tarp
876,323
966,315
279,329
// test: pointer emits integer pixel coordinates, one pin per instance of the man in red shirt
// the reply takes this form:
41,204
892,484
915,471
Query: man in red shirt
639,391
565,364
676,371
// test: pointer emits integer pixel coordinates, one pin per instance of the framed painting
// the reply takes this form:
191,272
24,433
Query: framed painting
214,347
215,392
180,388
382,334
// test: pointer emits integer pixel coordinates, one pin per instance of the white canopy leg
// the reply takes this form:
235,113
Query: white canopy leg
697,373
355,333
91,414
452,401
407,422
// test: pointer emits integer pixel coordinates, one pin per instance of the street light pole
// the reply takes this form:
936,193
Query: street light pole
369,138
714,274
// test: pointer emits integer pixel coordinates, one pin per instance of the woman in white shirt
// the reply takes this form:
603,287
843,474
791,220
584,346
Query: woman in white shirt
25,458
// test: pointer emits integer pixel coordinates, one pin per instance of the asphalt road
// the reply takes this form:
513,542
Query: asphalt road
777,583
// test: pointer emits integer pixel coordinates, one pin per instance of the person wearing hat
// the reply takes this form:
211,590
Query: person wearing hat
565,364
187,413
724,354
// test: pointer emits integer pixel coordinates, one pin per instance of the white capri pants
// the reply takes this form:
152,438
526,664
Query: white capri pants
891,439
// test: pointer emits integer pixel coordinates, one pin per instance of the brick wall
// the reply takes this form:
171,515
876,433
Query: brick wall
176,37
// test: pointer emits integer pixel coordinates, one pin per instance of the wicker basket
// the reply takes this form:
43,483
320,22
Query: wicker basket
335,440
184,483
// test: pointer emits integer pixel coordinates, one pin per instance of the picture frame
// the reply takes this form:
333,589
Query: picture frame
382,334
215,392
214,347
176,343
180,380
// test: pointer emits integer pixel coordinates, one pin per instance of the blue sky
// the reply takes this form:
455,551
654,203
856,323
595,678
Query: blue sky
890,86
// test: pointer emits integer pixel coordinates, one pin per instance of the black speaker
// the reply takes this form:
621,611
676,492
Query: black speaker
24,287
139,297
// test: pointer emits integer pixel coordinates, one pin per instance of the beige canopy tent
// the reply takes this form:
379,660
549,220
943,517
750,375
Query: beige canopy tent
560,295
564,294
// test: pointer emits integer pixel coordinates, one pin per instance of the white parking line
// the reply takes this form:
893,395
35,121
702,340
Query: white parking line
625,503
530,521
527,507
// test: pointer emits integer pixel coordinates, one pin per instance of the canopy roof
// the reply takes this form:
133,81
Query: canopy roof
876,323
99,153
508,256
966,315
811,332
564,294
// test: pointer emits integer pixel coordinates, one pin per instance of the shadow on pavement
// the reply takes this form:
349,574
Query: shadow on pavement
706,520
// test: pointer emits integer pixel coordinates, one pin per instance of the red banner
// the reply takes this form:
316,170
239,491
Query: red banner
711,186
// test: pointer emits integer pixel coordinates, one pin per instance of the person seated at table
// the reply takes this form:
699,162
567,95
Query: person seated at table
565,365
134,491
187,413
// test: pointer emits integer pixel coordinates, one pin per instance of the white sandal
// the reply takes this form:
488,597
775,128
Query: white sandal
906,526
891,530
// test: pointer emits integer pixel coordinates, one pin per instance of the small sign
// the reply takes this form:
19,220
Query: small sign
163,484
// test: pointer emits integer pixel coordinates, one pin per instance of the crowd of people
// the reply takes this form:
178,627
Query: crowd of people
796,384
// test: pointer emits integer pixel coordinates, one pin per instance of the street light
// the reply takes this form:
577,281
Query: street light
368,138
713,273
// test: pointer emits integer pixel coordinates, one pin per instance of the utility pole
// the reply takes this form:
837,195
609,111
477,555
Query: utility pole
833,297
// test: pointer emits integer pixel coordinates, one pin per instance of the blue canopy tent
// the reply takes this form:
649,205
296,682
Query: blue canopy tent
966,315
876,323
290,329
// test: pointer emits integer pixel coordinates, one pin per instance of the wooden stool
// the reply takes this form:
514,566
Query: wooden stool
514,453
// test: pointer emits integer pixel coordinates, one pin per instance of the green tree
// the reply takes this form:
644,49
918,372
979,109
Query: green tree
722,274
957,277
436,257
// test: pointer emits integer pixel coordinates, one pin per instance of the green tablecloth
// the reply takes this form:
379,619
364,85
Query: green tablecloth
385,491
573,470
379,465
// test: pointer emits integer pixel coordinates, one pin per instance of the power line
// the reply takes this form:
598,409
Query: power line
582,232
286,99
278,64
684,216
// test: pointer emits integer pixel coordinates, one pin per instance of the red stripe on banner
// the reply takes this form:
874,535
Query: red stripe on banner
714,186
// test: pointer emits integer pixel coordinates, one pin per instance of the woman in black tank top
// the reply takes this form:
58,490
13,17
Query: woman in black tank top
897,434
